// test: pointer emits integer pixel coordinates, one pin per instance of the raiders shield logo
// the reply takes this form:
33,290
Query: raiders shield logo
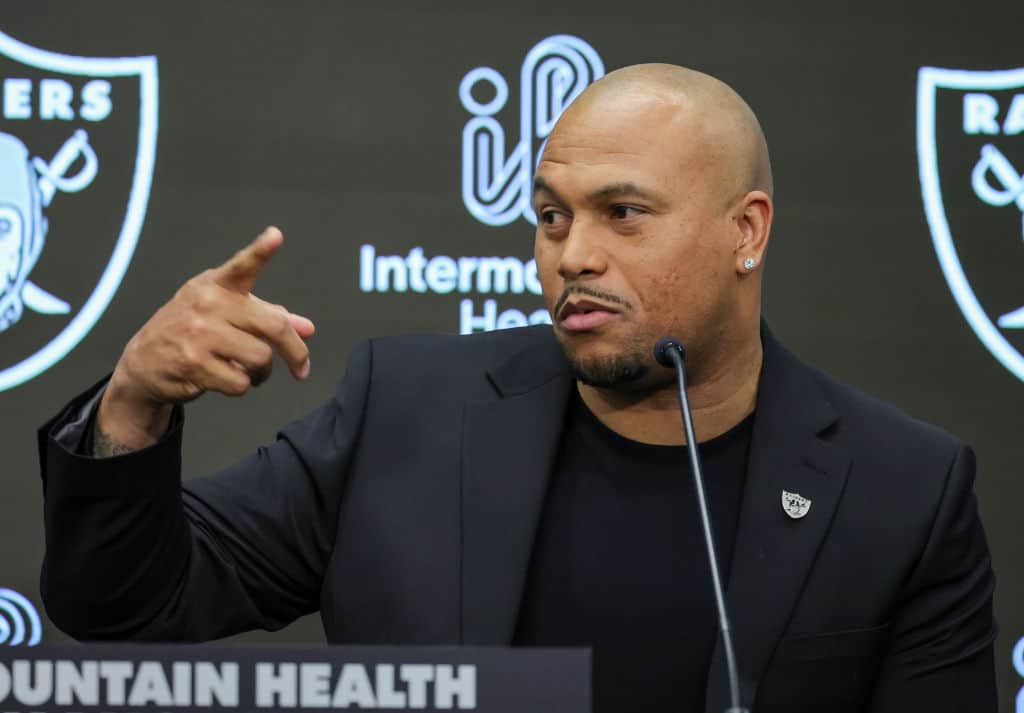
970,146
795,505
77,146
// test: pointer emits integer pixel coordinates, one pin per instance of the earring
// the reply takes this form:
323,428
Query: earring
749,264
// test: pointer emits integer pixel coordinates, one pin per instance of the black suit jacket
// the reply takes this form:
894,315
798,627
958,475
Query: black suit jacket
405,510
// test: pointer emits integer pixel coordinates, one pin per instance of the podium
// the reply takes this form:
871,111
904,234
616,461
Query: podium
120,677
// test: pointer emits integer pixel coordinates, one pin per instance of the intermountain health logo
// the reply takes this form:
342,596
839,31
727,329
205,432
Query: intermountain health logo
20,624
497,182
497,188
77,147
970,145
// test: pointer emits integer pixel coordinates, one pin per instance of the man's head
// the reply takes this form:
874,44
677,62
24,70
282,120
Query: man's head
652,196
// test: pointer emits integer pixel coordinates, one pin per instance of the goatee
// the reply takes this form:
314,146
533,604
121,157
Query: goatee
611,372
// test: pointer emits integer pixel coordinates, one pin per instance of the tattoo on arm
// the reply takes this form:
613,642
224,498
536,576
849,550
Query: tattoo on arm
103,446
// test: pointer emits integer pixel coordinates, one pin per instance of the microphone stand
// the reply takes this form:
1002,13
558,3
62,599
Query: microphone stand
670,353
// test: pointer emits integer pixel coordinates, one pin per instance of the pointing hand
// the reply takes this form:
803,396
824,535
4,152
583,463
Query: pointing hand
213,335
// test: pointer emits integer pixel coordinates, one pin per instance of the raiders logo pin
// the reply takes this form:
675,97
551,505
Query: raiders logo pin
795,505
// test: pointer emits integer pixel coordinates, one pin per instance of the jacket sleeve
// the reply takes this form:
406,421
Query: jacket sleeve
131,553
940,657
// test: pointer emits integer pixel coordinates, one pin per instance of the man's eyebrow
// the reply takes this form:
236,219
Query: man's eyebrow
622,190
542,186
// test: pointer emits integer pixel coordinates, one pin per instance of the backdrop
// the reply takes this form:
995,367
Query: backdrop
392,142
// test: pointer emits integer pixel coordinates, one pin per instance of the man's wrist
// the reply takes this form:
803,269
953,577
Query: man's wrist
125,422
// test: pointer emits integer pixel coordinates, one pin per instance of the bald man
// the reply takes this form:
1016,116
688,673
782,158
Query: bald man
528,487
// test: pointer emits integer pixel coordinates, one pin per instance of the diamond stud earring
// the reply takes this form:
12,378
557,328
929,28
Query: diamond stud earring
749,264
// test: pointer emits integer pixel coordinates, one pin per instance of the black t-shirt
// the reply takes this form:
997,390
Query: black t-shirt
619,562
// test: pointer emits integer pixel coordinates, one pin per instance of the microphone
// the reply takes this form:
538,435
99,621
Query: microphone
671,354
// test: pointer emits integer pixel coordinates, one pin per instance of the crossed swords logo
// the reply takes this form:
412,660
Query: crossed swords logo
1011,182
52,177
1010,190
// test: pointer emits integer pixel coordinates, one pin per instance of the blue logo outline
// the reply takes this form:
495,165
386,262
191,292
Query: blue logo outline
22,614
497,189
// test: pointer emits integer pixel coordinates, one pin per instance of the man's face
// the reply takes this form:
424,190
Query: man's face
634,240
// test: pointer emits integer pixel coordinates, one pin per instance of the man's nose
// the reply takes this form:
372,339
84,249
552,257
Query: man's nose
583,253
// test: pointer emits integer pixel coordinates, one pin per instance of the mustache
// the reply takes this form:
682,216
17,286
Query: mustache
571,290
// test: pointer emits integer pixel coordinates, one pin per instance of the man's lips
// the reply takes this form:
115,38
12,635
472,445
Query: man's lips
580,315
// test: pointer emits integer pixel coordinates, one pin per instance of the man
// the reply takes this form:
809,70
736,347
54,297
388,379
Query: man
528,487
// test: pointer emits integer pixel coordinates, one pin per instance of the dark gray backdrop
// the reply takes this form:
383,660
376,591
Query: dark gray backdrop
341,123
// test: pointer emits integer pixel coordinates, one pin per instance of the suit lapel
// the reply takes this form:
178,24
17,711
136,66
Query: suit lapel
509,448
773,552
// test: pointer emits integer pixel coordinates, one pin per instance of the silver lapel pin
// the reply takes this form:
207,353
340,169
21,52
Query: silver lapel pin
795,505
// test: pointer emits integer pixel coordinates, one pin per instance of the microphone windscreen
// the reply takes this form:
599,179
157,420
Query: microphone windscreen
663,351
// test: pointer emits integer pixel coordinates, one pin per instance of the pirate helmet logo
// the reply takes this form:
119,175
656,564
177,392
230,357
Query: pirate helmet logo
22,227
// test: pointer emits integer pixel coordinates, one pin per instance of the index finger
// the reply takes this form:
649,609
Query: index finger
240,272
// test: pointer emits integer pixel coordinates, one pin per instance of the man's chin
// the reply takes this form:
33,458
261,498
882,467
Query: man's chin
625,365
608,372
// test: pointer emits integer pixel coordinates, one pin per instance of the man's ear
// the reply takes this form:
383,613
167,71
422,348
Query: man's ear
754,224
